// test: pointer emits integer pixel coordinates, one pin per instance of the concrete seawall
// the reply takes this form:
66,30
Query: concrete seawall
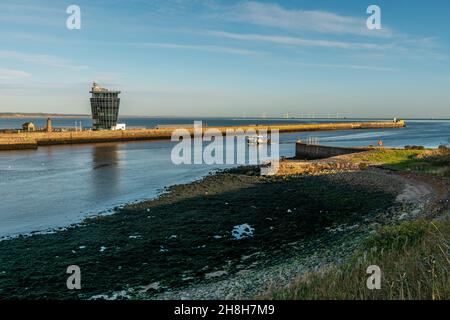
312,152
16,142
30,140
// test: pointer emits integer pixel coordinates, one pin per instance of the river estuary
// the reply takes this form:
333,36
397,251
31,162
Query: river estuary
55,186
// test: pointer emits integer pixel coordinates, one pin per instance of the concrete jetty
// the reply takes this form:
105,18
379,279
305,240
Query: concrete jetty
32,140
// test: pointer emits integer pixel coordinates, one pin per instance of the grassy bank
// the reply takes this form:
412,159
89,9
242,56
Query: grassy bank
436,161
413,257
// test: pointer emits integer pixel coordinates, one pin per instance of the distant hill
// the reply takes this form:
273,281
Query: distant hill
40,115
19,115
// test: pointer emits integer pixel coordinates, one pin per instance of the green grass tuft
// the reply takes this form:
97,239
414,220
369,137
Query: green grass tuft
435,161
413,257
396,237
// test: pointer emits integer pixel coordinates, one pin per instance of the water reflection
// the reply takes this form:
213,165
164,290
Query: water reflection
106,169
59,185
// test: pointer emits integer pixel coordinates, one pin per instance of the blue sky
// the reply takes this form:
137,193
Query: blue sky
228,58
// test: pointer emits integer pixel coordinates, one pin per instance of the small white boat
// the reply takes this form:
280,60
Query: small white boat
257,140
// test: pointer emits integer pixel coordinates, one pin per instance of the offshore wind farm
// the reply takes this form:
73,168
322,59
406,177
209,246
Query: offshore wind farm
224,150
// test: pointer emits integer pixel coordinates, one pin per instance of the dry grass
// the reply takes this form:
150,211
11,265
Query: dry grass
413,257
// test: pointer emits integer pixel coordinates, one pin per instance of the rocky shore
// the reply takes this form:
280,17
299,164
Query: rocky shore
231,235
411,201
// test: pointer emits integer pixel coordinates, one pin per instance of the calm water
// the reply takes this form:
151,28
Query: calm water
59,185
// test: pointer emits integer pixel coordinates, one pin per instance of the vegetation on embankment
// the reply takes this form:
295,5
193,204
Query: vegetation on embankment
413,257
436,161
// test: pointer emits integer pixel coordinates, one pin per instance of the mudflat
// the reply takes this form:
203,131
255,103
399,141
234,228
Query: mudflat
233,222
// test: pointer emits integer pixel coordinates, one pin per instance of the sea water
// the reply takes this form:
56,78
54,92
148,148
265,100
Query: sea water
56,186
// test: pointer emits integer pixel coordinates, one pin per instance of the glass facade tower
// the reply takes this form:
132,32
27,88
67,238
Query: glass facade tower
105,107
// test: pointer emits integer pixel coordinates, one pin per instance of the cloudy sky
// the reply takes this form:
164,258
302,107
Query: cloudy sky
228,58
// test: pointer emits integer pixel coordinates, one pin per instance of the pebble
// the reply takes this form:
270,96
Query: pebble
215,274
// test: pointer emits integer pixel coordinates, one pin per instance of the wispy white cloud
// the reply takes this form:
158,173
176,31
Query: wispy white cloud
10,74
297,41
209,48
274,15
319,28
347,66
408,47
48,60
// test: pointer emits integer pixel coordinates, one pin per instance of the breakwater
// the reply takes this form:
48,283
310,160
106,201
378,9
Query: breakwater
311,152
30,140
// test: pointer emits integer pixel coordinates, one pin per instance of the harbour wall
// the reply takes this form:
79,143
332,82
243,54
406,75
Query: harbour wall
311,152
31,140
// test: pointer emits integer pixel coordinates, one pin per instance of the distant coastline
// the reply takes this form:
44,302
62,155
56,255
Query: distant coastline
44,115
19,115
40,115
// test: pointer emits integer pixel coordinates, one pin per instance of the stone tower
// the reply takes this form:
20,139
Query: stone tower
49,125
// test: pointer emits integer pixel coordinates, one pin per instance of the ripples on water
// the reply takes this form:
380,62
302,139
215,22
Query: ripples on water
58,185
